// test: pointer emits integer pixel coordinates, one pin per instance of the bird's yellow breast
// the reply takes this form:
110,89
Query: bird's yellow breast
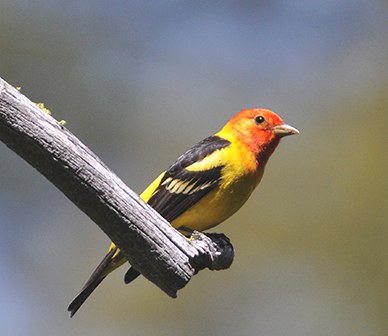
237,183
218,205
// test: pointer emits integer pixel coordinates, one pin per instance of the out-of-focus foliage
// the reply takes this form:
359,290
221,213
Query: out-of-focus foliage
139,82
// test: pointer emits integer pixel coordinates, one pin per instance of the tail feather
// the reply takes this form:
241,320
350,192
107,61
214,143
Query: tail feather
107,265
131,275
82,296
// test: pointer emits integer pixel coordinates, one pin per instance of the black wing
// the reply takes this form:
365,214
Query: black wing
180,188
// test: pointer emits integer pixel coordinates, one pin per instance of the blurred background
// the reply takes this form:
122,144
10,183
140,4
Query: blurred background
141,81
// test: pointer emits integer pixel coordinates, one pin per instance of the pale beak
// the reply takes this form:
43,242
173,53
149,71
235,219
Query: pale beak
284,130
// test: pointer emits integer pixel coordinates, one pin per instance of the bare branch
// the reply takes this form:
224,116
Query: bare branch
149,243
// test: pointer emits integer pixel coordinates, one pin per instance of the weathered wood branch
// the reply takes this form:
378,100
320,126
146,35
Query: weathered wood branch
149,243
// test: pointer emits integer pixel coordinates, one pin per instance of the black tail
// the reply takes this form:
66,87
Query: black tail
131,275
81,297
94,280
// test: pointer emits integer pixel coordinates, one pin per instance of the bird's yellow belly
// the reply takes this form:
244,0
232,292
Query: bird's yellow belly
216,206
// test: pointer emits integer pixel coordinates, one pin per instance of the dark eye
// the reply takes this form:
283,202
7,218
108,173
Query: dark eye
259,119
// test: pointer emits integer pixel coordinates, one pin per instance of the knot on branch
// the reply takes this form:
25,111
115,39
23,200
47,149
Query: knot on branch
214,251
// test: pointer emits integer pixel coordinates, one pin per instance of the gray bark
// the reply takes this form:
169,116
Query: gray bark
150,244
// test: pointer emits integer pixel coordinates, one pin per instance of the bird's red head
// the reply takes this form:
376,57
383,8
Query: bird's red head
259,129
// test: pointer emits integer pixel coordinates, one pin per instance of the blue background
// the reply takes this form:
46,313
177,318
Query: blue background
141,81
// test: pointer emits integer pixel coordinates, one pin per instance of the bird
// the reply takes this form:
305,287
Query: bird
206,184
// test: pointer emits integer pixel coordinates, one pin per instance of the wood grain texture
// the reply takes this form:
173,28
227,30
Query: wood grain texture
150,244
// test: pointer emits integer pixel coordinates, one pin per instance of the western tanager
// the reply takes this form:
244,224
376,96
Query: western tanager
206,184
